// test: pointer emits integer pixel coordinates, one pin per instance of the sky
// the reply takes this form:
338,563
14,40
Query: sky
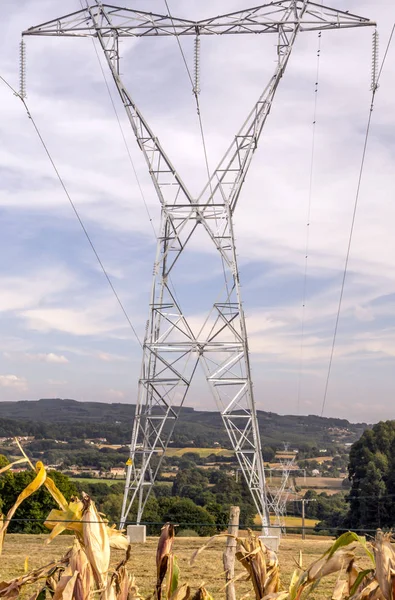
62,333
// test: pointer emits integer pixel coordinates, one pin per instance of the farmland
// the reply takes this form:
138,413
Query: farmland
202,452
208,567
291,521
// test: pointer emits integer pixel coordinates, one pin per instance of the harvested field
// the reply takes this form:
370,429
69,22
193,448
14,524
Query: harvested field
204,452
207,568
320,482
291,521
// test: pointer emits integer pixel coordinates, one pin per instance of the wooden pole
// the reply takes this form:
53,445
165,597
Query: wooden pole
230,552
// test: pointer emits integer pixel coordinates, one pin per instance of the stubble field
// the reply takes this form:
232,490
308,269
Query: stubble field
207,569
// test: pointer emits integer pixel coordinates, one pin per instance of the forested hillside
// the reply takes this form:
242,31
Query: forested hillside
65,419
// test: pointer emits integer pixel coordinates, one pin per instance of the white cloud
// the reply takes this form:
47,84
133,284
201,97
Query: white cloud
53,291
78,322
115,394
21,292
51,357
14,382
106,357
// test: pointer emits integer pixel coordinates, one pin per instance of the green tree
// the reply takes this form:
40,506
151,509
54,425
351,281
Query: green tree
31,514
372,474
188,515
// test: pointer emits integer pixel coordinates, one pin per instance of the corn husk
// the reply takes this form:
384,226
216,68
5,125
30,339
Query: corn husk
384,553
96,542
79,563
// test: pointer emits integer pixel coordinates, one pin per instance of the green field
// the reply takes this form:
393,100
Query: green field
203,452
96,480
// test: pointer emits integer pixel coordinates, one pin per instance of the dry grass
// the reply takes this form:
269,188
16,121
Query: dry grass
207,568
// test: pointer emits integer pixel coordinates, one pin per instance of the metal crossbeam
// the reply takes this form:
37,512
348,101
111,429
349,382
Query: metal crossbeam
172,350
267,18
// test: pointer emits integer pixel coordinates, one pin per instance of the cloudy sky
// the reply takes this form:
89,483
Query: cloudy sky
61,330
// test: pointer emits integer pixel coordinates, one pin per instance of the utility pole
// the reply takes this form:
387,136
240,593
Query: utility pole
304,501
174,345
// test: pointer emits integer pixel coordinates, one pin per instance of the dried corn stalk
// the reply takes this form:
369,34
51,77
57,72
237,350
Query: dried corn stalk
96,541
261,564
163,552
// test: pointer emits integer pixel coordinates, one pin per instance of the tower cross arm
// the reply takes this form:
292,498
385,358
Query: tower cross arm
266,18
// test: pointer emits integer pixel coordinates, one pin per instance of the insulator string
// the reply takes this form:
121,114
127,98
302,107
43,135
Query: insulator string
196,87
22,69
375,60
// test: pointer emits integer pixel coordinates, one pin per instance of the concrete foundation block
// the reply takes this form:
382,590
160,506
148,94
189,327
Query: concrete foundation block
271,541
136,534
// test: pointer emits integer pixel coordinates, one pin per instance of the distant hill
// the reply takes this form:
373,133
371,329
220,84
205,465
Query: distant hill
66,418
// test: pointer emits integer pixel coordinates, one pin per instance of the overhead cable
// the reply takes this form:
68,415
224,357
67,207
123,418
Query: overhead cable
75,210
374,90
307,246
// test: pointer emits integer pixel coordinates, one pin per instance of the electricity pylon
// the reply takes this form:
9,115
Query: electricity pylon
172,350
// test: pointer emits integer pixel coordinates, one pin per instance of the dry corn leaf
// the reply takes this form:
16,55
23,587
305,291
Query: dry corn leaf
118,540
202,594
10,465
49,483
65,588
181,593
261,563
28,491
134,590
329,564
277,596
340,589
370,592
59,520
207,544
11,589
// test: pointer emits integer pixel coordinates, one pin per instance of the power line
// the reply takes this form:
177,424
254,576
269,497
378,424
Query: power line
74,209
374,90
310,196
122,132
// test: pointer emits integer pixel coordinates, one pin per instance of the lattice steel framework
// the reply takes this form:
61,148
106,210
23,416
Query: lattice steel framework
172,350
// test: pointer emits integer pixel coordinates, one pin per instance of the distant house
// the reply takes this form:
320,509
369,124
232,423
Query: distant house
117,471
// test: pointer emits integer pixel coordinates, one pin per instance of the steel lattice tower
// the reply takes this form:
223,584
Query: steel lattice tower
172,350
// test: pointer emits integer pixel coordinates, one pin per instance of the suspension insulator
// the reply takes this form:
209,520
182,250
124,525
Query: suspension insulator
196,86
375,60
22,69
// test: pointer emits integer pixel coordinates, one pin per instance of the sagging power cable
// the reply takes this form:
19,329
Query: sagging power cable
374,87
73,206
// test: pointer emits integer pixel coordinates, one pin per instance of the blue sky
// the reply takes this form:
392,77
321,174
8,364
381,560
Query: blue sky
61,330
